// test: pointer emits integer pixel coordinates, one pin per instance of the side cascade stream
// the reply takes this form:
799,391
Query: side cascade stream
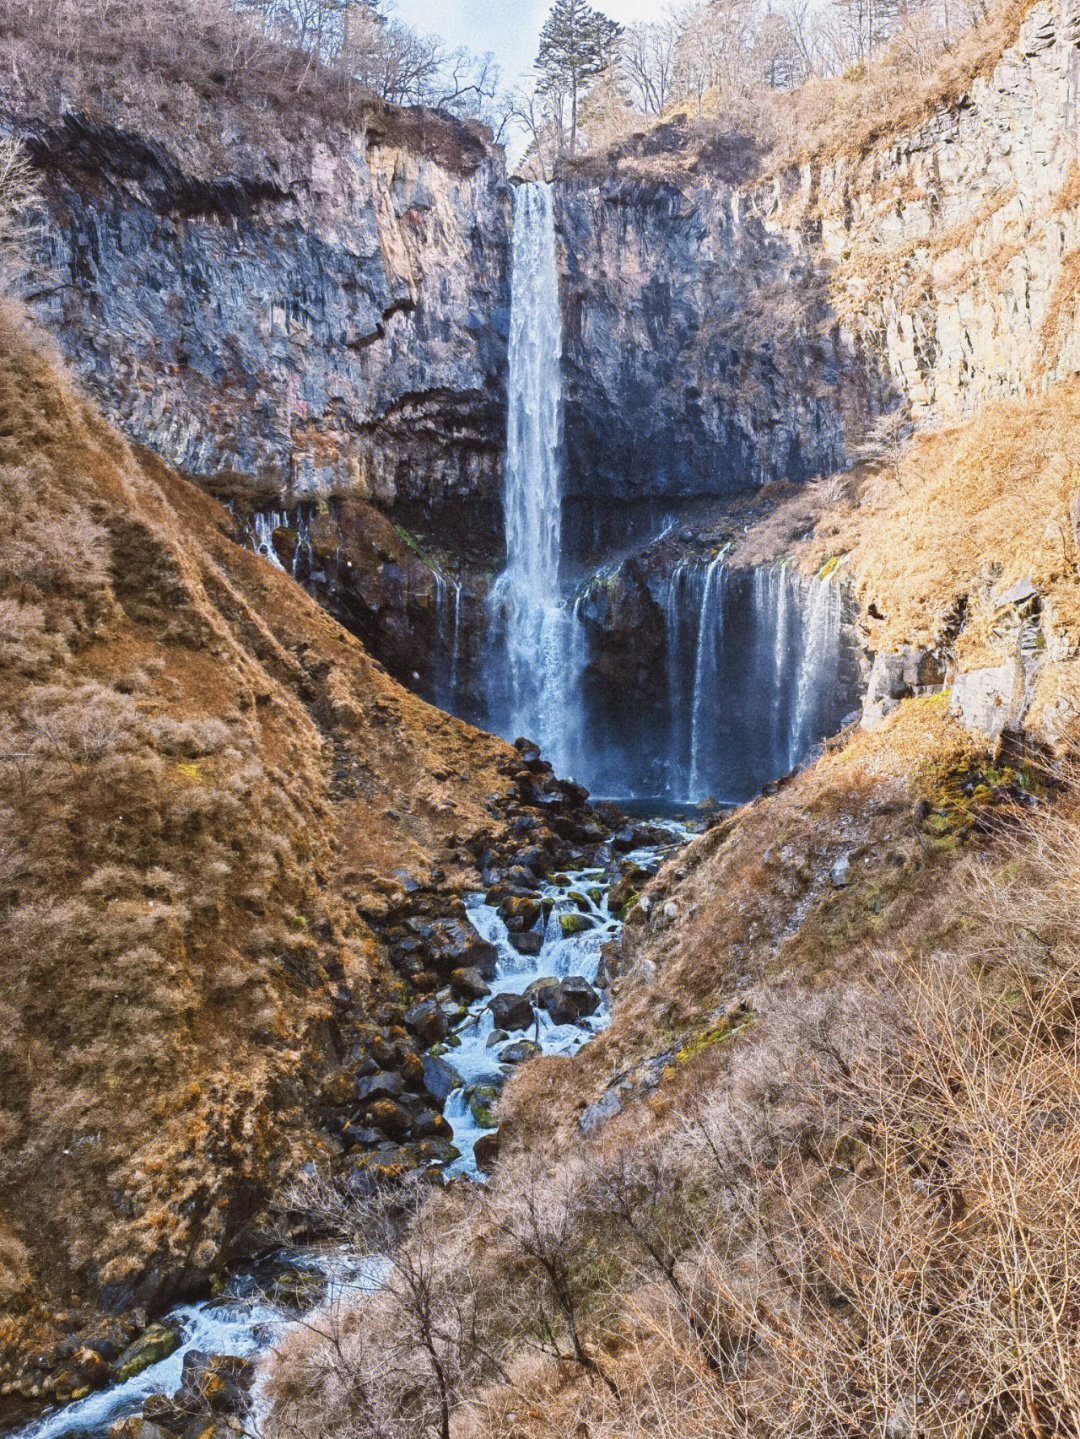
757,674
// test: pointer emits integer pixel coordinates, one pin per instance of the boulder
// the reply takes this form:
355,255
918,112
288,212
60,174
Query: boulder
529,943
519,912
380,1085
518,1052
572,924
468,983
427,1021
389,1118
571,1001
511,1011
158,1342
220,1382
486,1150
480,1098
455,943
440,1078
541,987
429,1124
497,1036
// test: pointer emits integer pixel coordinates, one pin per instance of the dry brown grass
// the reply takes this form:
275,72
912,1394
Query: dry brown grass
856,1216
178,885
202,78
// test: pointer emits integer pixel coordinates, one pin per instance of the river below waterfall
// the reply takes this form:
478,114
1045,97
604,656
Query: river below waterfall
576,920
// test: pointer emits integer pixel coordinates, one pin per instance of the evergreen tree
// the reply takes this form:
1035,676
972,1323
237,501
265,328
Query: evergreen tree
576,44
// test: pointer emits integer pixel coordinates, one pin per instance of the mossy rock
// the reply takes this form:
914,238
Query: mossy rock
157,1343
572,924
480,1099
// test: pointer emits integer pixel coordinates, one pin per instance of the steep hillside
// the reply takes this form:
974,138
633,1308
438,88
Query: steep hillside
210,800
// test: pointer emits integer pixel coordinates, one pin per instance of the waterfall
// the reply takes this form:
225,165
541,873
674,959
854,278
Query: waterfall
448,637
755,661
707,666
539,694
817,666
264,523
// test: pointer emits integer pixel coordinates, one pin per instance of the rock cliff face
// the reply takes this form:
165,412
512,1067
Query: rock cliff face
331,322
955,250
701,357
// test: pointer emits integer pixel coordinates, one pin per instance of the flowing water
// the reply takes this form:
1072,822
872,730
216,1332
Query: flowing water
758,673
240,1324
532,681
582,895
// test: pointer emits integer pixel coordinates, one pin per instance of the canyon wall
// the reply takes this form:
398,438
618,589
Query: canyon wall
954,250
701,358
323,320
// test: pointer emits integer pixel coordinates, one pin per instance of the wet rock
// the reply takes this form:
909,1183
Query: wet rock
427,1021
632,881
518,1052
455,944
480,1099
530,943
380,1085
158,1342
519,912
440,1078
486,1151
596,1114
298,1289
571,1001
221,1382
497,1036
389,1117
572,924
511,1011
412,1072
469,984
535,993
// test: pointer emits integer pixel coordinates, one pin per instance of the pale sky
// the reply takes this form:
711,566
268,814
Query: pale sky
509,28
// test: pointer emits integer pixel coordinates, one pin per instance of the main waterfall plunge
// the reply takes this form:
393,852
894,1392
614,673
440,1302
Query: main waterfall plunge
668,674
755,661
537,692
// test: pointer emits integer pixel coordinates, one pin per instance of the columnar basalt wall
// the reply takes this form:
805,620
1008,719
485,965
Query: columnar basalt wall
327,323
954,250
702,358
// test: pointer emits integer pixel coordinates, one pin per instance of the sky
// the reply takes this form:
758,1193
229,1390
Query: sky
508,28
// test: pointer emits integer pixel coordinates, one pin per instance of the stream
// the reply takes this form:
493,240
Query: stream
241,1321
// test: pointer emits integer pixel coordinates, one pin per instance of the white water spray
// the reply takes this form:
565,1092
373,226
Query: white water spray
541,690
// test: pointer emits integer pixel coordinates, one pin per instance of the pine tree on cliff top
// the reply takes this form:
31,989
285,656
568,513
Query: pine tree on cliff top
576,44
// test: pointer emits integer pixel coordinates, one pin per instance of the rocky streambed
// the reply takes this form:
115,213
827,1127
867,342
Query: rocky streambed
501,975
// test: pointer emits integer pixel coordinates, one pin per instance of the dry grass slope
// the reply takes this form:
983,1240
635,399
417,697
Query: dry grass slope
179,871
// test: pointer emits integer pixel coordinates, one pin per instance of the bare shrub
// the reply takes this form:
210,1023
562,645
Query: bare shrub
20,193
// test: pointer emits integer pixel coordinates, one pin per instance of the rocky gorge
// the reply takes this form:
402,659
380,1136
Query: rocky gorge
283,871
